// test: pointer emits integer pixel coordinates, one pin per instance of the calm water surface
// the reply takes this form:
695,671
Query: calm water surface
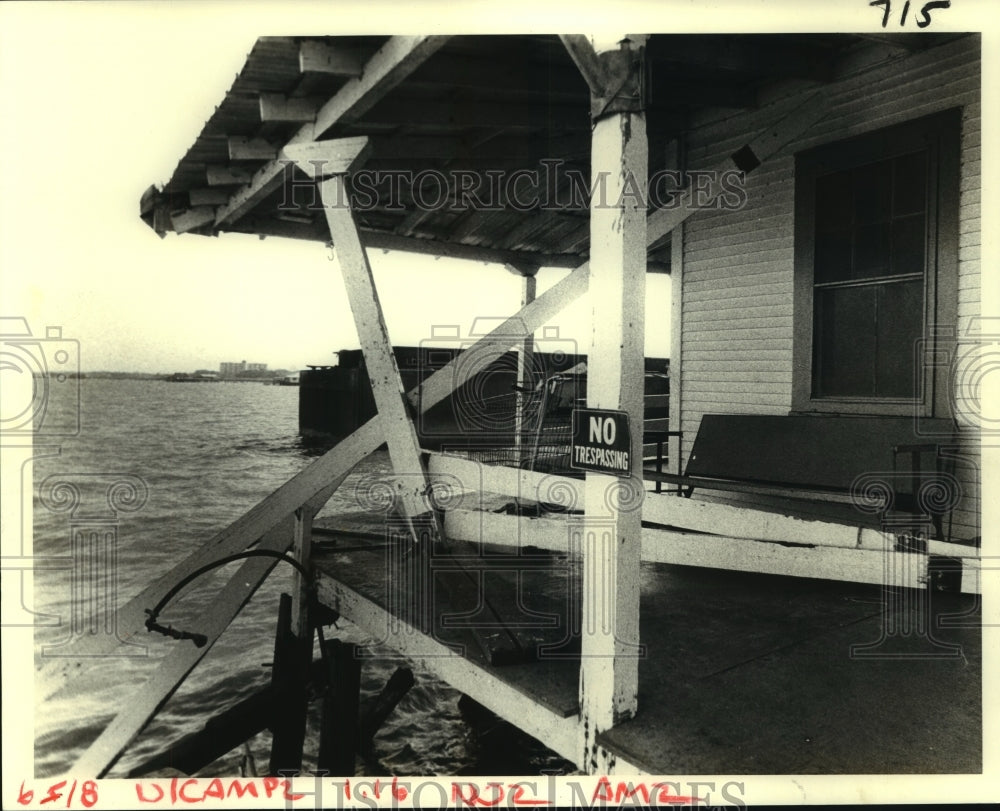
204,453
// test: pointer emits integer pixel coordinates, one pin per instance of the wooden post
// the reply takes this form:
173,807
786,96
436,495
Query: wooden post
338,742
375,713
288,679
615,373
525,360
301,551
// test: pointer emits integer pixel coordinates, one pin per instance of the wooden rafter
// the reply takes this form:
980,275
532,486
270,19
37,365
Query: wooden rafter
319,57
387,67
582,52
278,108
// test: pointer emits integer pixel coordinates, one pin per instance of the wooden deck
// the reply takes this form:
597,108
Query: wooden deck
741,673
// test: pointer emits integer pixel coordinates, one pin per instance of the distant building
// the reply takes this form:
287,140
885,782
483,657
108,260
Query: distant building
231,369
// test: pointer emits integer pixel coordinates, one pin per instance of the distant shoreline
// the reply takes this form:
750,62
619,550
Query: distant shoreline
105,375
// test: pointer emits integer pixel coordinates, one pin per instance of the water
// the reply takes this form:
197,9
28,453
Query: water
204,453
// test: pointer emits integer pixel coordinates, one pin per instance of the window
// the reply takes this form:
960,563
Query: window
875,268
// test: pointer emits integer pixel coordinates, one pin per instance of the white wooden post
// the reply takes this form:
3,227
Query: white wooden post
525,359
615,373
302,551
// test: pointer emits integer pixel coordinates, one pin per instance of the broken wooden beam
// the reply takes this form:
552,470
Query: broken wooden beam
221,734
380,708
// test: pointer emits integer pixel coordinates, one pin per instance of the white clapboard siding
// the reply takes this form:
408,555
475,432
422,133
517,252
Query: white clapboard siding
737,268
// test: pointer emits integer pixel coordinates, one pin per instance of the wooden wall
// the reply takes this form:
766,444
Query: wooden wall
733,353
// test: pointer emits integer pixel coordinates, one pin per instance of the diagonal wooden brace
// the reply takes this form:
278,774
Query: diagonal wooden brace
327,162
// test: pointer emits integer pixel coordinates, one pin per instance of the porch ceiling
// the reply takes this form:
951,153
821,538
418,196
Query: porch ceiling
477,103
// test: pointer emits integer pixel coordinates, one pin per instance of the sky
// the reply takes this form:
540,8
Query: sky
100,102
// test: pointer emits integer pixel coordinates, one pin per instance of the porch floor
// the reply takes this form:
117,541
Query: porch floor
742,673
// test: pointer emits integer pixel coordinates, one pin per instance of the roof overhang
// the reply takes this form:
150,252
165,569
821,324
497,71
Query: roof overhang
479,146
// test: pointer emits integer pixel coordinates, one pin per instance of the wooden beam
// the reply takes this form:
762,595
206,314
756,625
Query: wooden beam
332,60
679,513
420,112
478,75
387,67
192,218
878,567
525,363
609,667
280,109
339,724
320,159
207,197
582,52
226,176
242,148
456,250
555,731
302,552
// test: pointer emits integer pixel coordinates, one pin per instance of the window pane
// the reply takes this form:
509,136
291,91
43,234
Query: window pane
833,256
910,184
844,344
873,192
900,326
834,208
871,251
908,240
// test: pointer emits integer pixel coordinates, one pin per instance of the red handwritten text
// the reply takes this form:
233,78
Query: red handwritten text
492,794
61,794
198,791
659,793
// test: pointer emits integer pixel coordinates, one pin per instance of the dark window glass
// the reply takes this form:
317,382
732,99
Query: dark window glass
873,192
870,243
845,341
899,326
910,184
909,238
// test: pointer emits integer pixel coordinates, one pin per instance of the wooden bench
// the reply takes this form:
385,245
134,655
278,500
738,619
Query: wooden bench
879,464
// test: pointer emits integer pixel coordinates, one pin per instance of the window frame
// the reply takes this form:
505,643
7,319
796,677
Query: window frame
940,135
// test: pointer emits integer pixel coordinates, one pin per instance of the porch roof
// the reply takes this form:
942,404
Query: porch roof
463,104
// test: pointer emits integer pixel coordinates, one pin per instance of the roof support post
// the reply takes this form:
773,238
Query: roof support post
525,359
610,533
328,162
